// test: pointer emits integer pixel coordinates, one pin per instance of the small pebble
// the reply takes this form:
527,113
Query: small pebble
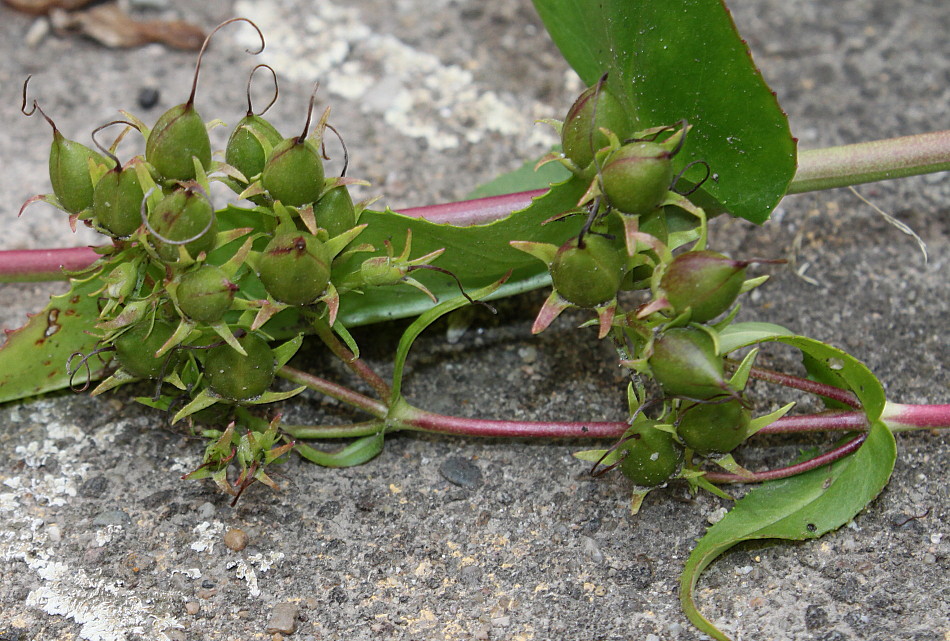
36,33
192,608
148,97
235,539
54,533
461,471
206,510
283,618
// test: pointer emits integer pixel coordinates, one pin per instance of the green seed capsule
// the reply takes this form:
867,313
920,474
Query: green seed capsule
705,281
245,151
684,363
178,136
581,135
294,172
184,214
637,177
295,268
69,173
241,377
335,212
205,294
710,428
117,202
590,275
652,456
135,349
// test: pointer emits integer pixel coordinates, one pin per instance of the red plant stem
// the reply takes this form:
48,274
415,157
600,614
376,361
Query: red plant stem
479,211
823,422
334,390
416,419
25,265
805,385
903,418
784,472
349,359
28,265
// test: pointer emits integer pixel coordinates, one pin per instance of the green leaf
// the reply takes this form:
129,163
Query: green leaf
33,359
802,507
742,334
356,453
477,255
681,59
524,178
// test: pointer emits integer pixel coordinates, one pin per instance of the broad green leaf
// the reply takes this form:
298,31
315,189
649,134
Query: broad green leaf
683,59
477,255
840,368
820,371
33,359
524,178
802,507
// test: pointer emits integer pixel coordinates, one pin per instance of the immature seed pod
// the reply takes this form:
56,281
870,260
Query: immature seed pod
294,172
245,151
684,363
238,377
714,428
637,177
68,165
135,349
589,274
594,109
205,294
180,134
652,456
183,217
335,212
705,281
295,268
117,202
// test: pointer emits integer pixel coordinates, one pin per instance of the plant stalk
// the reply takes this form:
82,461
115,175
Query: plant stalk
836,454
333,390
818,169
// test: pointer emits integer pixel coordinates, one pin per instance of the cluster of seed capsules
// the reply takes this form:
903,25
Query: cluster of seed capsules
636,218
187,288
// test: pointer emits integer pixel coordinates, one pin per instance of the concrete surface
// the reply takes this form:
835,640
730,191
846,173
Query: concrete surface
99,539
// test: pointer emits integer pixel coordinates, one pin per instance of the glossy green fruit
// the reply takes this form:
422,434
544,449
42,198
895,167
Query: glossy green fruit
117,202
294,172
205,294
705,281
652,456
135,349
590,275
637,177
335,212
238,377
684,363
181,215
713,428
581,135
245,151
178,136
295,268
69,172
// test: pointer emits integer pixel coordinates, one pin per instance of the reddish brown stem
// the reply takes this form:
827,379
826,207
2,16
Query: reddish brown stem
784,472
28,265
805,385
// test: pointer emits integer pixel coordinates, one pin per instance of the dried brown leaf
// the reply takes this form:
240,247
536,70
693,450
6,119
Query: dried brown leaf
111,26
